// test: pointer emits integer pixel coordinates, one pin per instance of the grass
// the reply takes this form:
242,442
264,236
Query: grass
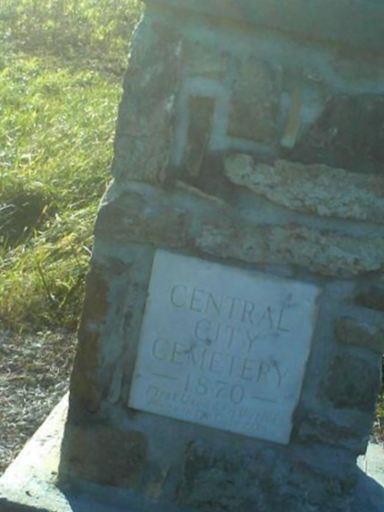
60,74
56,138
90,33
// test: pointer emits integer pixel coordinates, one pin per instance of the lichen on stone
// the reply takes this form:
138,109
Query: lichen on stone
316,189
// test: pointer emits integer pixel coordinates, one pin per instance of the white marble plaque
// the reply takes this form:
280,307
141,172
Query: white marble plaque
223,347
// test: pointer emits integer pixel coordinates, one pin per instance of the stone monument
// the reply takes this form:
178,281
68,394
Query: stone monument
230,347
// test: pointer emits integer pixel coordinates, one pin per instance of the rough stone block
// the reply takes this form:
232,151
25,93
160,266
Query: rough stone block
316,428
372,296
315,189
353,383
145,128
321,20
203,60
185,218
105,455
255,101
201,111
347,135
262,480
359,333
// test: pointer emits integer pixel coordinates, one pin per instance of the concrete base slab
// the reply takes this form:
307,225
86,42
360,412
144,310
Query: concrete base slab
29,484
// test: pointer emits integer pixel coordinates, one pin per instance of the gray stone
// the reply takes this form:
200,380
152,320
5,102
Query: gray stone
322,20
372,296
146,121
223,347
206,61
361,334
316,189
326,429
30,485
183,218
255,101
118,460
353,383
261,481
348,134
199,134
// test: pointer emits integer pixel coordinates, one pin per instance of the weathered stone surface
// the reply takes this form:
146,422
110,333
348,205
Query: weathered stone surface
316,189
85,383
202,60
294,119
360,333
347,135
186,220
372,296
198,88
114,302
105,455
321,20
353,383
261,481
147,111
255,101
314,428
201,111
29,484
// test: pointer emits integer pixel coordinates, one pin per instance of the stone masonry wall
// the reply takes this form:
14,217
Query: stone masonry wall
259,150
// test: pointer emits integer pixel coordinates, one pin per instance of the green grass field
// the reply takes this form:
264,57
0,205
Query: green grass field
61,65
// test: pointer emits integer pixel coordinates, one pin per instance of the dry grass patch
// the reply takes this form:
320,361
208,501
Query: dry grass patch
34,374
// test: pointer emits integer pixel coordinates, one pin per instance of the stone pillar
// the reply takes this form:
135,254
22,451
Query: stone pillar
250,148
